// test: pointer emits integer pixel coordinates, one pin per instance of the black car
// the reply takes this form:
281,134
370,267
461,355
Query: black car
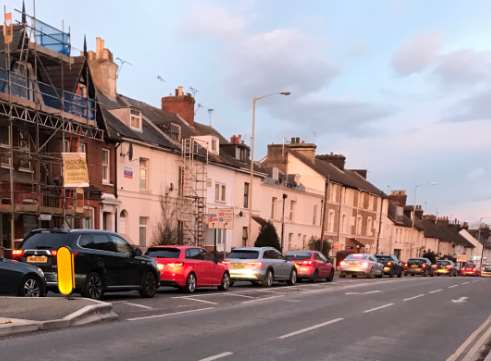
20,279
419,266
104,261
392,266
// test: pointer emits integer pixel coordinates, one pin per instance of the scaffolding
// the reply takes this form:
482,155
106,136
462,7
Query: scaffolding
193,186
43,119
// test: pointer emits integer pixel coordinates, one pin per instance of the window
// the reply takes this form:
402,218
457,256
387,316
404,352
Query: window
274,200
195,253
88,220
314,215
272,254
214,145
119,245
220,192
292,210
180,181
163,252
143,174
66,145
369,226
105,166
135,119
243,254
246,195
83,147
99,242
175,132
290,239
344,224
25,160
123,216
359,221
143,231
245,233
180,232
331,220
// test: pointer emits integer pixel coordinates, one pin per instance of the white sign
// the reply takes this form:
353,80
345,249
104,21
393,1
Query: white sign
220,218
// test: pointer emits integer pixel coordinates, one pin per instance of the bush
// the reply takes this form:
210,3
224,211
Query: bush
268,237
315,245
430,255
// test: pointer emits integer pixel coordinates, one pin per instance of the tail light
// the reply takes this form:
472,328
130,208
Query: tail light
389,263
226,262
175,265
305,263
17,253
53,252
449,267
424,265
342,263
365,264
434,266
160,267
255,264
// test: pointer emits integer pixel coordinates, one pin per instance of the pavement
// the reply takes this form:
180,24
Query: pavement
409,319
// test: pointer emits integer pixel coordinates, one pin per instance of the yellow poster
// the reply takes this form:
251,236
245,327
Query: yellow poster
75,172
8,30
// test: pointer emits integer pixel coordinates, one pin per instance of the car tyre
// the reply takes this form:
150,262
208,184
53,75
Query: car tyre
31,286
399,275
149,285
94,286
226,283
293,278
190,286
268,279
331,276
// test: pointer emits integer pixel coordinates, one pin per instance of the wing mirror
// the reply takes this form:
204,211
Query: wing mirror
137,252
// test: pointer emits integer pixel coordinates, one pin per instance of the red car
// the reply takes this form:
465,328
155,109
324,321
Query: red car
188,268
311,265
470,269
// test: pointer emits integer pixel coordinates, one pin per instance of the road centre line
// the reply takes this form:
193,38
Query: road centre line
311,328
414,297
202,301
262,299
216,357
378,308
170,314
462,348
435,291
453,286
235,294
465,283
137,305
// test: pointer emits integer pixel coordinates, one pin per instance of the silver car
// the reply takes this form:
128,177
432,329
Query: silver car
261,266
361,264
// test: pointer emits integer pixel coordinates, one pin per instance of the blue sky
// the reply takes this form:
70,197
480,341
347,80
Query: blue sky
402,88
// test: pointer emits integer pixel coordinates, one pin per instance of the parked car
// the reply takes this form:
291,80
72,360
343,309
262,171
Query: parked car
188,268
419,266
486,270
311,265
392,266
470,269
21,279
445,267
361,264
261,266
104,261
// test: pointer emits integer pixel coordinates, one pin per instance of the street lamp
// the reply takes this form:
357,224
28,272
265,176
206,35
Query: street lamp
253,144
479,239
285,196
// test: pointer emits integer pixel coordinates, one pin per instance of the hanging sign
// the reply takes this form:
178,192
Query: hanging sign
8,29
220,218
75,172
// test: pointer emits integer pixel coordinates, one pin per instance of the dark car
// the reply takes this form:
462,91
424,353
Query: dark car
392,266
104,261
445,267
20,279
419,266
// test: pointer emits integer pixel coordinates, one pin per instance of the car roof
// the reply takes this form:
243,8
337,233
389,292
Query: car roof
302,251
254,249
177,246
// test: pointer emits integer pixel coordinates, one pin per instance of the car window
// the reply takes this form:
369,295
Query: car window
298,255
47,240
244,254
96,241
120,245
357,256
270,254
163,252
195,253
319,257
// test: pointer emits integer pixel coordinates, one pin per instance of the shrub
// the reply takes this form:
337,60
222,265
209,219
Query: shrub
268,237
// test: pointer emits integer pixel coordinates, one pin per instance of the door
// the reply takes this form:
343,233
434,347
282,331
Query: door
195,257
323,265
130,273
9,278
280,265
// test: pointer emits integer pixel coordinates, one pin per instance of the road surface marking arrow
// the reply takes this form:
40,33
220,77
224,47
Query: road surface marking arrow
460,300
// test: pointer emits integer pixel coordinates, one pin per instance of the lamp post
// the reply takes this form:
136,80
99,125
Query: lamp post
253,144
285,196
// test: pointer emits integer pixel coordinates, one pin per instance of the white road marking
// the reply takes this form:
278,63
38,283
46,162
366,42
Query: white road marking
462,348
170,314
235,294
303,330
460,300
453,286
262,299
378,308
216,357
363,293
413,298
202,301
465,283
435,291
138,305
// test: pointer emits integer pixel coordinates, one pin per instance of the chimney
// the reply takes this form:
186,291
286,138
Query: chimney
338,160
361,172
299,146
236,139
103,69
419,212
181,104
398,197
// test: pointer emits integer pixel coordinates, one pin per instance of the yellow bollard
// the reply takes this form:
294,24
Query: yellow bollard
66,271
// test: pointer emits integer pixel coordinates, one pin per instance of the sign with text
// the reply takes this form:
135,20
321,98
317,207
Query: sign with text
220,218
128,172
75,172
462,258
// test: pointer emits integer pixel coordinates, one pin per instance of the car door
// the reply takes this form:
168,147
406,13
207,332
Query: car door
9,277
130,267
322,265
195,259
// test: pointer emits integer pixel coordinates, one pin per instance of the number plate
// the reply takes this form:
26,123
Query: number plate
37,259
238,265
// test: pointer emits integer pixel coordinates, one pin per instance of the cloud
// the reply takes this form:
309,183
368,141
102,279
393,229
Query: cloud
416,54
471,108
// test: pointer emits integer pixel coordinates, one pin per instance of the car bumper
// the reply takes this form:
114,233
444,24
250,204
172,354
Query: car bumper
172,279
416,271
470,273
485,274
388,270
245,274
305,272
443,271
52,280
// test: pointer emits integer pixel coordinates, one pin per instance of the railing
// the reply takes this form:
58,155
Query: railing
49,37
23,87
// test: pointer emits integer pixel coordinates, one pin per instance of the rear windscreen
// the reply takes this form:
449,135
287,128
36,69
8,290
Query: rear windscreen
384,259
243,254
299,255
47,240
414,261
163,252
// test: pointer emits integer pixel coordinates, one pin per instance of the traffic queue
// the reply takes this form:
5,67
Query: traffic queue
105,262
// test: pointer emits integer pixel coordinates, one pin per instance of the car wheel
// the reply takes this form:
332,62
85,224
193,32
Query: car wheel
225,282
190,283
94,287
149,285
268,279
331,276
31,287
315,277
399,275
293,278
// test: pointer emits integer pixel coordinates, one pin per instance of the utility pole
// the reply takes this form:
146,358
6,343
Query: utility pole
380,226
324,211
285,196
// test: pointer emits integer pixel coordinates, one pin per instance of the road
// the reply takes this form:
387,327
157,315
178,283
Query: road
404,319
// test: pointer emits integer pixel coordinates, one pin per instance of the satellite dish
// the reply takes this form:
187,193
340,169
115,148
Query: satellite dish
130,152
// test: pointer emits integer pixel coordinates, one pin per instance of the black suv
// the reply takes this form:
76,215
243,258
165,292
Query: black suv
104,261
392,266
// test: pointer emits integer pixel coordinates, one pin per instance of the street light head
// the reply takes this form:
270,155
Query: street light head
285,93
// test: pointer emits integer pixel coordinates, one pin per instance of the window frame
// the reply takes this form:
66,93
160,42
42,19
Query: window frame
146,169
106,167
247,187
142,226
136,114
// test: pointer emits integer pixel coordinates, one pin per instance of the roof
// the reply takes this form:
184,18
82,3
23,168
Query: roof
71,74
400,220
345,177
446,232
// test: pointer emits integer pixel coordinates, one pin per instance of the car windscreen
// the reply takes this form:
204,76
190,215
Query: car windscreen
384,259
244,254
356,257
163,252
298,255
47,240
443,263
415,261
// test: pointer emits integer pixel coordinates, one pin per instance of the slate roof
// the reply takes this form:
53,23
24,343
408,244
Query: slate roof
444,232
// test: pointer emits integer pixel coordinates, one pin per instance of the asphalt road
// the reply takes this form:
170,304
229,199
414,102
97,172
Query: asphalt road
409,319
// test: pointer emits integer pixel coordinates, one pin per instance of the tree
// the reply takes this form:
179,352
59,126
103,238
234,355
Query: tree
167,232
268,237
315,245
430,255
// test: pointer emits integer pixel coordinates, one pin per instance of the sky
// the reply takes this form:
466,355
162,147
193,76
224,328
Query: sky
401,88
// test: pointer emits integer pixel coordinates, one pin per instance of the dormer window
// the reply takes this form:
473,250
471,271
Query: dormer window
175,132
214,145
135,119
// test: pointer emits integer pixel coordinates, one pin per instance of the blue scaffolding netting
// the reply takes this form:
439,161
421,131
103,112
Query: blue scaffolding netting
52,38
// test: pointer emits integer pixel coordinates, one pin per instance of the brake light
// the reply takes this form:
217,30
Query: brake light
389,263
305,263
449,267
424,265
175,265
53,252
160,267
365,264
342,263
226,262
17,253
434,266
